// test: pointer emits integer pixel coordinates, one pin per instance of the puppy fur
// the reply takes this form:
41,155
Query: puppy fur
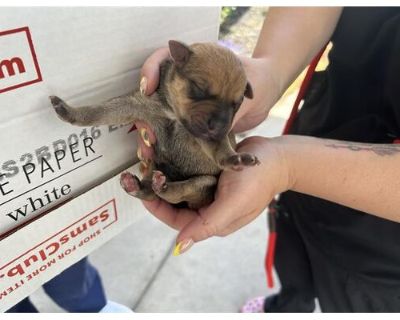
201,88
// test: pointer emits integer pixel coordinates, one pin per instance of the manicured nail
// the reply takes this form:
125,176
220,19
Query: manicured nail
145,136
143,167
144,164
139,154
182,247
143,85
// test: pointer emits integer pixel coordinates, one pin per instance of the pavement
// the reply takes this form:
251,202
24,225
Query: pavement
217,275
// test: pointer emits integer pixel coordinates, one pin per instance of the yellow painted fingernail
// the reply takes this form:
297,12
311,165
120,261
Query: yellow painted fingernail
143,85
144,164
139,154
145,136
182,247
142,167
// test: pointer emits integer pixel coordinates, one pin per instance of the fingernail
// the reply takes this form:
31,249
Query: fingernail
145,136
143,85
139,154
182,247
143,167
144,164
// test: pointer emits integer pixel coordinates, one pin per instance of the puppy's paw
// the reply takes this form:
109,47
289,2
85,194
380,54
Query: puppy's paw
130,183
159,182
62,109
239,161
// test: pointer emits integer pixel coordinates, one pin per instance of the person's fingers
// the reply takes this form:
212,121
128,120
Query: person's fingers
220,219
211,220
238,223
146,139
233,206
150,73
173,217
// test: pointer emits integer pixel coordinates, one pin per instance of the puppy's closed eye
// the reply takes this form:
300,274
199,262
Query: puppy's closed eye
237,104
198,92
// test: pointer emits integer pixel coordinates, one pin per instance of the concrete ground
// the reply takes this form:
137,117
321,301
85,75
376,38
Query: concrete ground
217,275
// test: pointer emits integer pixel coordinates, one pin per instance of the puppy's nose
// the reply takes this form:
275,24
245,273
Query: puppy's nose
216,127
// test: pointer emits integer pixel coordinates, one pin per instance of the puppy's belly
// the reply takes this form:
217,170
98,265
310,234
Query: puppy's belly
179,156
176,172
180,165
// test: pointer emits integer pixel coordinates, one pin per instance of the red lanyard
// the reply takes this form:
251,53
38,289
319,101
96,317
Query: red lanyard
270,254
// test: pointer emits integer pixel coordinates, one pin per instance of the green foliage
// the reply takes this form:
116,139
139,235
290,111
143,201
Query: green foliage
226,13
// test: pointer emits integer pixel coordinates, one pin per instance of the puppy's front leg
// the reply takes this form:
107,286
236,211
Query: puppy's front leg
120,110
226,157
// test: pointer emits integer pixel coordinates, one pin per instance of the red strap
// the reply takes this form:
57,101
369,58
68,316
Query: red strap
270,254
303,90
269,258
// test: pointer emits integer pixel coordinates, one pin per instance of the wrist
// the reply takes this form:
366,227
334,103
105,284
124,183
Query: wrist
287,148
276,160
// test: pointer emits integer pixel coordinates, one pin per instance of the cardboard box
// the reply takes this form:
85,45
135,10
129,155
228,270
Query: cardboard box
83,55
45,247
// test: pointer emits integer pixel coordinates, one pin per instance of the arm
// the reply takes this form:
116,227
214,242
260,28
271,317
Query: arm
305,30
365,177
361,176
289,39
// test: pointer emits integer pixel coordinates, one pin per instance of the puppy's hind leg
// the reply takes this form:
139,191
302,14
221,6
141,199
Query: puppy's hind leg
136,188
120,110
196,191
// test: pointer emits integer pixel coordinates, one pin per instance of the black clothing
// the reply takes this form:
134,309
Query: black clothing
350,260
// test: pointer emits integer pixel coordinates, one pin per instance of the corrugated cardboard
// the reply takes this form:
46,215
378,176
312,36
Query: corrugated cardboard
83,55
45,247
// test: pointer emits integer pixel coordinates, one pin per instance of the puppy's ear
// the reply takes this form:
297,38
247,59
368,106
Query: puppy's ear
248,92
180,52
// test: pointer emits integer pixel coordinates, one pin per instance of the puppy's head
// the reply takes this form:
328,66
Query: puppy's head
207,86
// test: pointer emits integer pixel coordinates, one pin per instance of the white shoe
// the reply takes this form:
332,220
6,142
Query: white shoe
113,307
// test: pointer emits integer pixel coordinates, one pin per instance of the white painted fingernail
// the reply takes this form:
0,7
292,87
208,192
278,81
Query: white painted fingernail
143,85
145,136
139,154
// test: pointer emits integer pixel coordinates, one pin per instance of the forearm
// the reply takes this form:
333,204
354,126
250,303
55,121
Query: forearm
365,177
291,37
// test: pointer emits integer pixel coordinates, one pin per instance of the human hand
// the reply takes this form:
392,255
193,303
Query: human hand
239,199
235,202
252,112
150,75
266,92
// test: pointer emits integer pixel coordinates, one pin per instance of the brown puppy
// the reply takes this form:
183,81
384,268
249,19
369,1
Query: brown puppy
201,88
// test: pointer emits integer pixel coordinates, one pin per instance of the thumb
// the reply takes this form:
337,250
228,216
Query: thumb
197,230
209,222
150,73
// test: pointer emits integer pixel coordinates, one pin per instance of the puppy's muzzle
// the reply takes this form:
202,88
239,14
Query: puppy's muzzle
212,128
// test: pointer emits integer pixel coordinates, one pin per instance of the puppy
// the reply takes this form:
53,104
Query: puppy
201,88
